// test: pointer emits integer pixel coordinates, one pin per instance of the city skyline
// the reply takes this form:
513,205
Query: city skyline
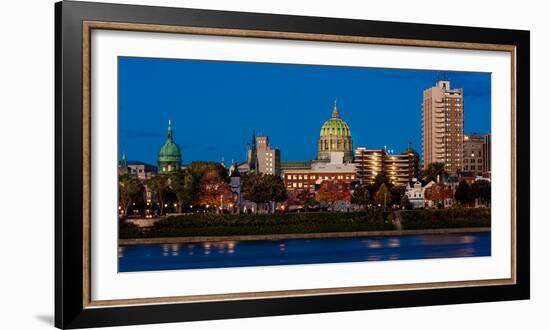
214,106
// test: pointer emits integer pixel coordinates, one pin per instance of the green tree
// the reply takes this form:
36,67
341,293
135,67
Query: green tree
185,187
406,203
160,188
262,188
129,189
277,189
434,171
382,196
380,179
198,169
462,193
481,189
396,193
361,196
254,189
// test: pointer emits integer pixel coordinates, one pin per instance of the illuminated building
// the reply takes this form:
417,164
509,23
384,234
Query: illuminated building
399,168
335,139
443,126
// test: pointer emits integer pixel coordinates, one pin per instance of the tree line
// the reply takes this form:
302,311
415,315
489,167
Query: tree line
201,184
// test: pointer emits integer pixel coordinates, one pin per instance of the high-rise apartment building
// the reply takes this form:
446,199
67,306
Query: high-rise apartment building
443,126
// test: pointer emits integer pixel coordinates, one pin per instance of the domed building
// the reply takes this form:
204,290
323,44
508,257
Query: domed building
335,144
334,160
169,155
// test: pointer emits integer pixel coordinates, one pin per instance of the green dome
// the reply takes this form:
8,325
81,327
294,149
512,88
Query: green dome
335,126
170,151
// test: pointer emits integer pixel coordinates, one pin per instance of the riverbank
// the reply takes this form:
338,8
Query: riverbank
311,224
202,239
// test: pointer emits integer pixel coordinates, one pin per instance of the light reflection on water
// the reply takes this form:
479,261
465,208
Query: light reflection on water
301,251
448,239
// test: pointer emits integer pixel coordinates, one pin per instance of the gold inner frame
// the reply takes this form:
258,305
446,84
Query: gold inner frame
88,26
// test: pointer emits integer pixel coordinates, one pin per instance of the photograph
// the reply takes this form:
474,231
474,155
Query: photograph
246,164
218,164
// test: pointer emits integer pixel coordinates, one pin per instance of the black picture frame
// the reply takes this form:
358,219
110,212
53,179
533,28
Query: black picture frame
70,310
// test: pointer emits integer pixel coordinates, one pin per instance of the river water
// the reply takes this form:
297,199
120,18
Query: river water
301,251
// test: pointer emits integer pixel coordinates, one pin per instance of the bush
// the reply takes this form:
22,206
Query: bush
446,218
261,224
128,230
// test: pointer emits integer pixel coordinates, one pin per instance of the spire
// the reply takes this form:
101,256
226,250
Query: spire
335,113
170,130
253,156
124,162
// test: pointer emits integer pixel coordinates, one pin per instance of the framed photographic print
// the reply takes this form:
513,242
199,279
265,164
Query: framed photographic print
218,164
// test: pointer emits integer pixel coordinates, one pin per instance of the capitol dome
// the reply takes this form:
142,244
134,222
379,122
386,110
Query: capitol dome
335,125
169,158
335,139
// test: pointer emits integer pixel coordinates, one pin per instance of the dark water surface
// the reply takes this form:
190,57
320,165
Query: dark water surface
301,251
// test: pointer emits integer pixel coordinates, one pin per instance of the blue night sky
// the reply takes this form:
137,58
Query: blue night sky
214,106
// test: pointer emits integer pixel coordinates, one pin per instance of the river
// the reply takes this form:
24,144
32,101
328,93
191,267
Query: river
149,257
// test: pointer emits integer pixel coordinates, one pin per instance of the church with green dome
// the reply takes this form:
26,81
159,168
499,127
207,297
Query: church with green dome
335,139
169,158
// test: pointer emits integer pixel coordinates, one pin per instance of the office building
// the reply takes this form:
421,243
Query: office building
473,154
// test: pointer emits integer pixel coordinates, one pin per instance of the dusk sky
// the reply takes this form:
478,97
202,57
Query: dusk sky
214,106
